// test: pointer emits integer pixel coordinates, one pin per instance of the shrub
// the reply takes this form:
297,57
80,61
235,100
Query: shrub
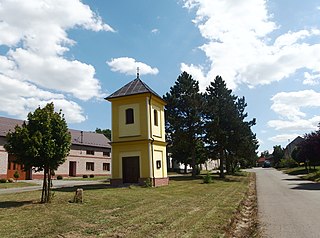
198,169
3,180
16,175
91,176
288,163
84,176
59,177
10,180
207,178
147,183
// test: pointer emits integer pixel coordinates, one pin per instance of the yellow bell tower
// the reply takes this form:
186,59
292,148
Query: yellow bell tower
138,135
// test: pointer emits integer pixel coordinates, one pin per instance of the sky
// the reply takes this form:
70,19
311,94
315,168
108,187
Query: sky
75,53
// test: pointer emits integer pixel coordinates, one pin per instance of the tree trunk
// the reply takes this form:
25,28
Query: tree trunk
193,163
46,188
49,185
185,168
222,163
43,188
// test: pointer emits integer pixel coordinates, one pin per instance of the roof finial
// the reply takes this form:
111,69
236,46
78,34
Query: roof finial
138,72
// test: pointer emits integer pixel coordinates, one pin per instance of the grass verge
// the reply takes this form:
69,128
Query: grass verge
16,185
185,208
311,174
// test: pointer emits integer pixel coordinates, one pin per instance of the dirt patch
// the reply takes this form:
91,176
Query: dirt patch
245,220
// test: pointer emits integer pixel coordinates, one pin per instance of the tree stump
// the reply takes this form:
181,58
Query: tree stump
78,197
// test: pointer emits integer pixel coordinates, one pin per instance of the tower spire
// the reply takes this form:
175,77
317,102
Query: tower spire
138,74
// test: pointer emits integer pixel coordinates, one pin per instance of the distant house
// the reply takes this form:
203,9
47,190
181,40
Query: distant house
90,154
262,160
291,146
209,165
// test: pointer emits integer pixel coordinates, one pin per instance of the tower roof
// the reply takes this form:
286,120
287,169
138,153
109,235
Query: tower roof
136,86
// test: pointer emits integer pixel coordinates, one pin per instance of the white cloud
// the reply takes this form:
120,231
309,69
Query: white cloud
34,70
289,106
155,31
295,125
285,138
57,73
311,79
197,73
129,66
30,97
239,48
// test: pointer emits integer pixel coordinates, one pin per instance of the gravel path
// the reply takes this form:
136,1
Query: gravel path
287,205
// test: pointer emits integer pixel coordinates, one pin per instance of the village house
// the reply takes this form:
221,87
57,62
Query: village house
291,146
90,154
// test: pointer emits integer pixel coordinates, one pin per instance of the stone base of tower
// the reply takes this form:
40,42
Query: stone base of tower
160,182
116,182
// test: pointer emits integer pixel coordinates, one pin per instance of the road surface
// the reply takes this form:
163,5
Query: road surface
56,184
287,205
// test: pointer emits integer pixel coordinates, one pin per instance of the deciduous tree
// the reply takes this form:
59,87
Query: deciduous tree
42,144
278,154
106,132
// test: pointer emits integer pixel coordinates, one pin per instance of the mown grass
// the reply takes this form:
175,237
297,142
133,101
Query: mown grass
88,179
15,185
312,174
185,208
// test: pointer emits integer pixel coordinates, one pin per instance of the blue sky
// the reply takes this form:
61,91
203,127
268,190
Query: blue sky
76,53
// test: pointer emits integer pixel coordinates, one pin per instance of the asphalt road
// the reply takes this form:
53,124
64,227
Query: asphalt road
287,205
56,184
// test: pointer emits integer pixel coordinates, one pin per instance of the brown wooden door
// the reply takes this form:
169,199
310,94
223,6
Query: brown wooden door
73,168
13,167
130,169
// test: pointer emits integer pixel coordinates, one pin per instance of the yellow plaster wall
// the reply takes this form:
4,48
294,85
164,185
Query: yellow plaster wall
158,132
144,139
133,129
131,132
159,153
125,149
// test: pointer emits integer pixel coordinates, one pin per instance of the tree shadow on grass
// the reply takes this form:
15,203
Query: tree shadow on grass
84,187
184,178
10,204
307,186
302,171
200,178
293,179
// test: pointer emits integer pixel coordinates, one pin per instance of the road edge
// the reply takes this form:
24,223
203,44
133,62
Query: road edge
245,223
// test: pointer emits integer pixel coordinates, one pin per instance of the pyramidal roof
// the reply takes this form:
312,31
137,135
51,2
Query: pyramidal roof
136,86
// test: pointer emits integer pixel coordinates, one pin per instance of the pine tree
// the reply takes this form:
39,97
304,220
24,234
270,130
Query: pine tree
227,134
183,119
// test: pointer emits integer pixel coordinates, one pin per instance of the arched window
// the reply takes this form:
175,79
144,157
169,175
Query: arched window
129,116
155,117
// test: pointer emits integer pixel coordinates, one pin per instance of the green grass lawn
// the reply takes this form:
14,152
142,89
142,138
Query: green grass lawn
15,185
185,208
312,174
88,179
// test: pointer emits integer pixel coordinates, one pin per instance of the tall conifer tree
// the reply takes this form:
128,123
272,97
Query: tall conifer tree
183,119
